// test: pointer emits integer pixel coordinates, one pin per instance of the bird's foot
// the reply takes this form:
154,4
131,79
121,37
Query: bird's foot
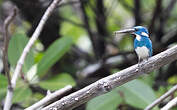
142,62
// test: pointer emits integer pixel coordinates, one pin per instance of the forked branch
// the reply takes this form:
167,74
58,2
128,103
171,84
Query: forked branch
21,60
108,83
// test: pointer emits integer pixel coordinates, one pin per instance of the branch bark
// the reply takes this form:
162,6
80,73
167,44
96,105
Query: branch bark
156,14
170,104
7,22
160,99
20,62
137,12
108,83
49,98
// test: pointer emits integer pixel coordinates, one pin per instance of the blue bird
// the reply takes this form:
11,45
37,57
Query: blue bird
142,42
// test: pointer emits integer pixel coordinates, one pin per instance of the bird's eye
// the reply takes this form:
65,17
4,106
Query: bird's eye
136,29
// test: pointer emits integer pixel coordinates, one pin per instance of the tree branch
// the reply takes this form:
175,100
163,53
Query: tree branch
163,19
170,37
170,104
156,14
20,62
7,22
137,12
71,2
160,99
108,83
88,28
49,98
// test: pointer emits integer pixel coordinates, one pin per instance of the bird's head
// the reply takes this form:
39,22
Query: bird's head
137,31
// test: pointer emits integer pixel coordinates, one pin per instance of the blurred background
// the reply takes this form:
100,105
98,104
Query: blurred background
77,47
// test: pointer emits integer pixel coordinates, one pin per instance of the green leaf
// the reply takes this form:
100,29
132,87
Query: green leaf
149,79
172,80
58,82
53,54
137,94
126,44
72,30
2,93
3,86
3,81
16,46
108,101
21,94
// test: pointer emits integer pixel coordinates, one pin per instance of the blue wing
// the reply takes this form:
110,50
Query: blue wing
145,41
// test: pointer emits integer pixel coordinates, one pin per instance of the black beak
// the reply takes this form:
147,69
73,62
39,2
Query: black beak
125,31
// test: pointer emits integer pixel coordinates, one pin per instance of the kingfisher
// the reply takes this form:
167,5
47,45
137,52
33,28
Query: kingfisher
142,42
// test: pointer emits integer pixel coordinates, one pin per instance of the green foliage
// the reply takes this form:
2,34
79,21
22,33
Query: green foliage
38,57
58,82
149,79
3,86
3,80
22,93
135,93
16,46
172,80
126,44
53,54
108,101
71,30
129,2
148,4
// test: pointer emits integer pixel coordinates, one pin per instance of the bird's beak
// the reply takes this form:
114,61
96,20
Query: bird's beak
131,31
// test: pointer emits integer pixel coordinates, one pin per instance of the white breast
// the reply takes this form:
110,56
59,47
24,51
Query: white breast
138,37
142,52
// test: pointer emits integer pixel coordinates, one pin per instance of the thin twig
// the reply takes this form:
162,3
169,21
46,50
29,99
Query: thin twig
170,37
85,19
156,14
170,104
7,22
49,97
163,19
20,62
137,12
68,3
160,99
108,83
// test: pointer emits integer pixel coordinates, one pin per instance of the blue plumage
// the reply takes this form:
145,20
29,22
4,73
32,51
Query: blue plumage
142,40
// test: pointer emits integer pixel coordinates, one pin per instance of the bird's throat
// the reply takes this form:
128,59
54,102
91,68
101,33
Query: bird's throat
138,37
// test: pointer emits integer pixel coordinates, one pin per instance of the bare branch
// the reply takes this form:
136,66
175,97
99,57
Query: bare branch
108,83
7,22
170,37
160,99
170,104
163,19
49,98
20,62
68,3
156,14
137,12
